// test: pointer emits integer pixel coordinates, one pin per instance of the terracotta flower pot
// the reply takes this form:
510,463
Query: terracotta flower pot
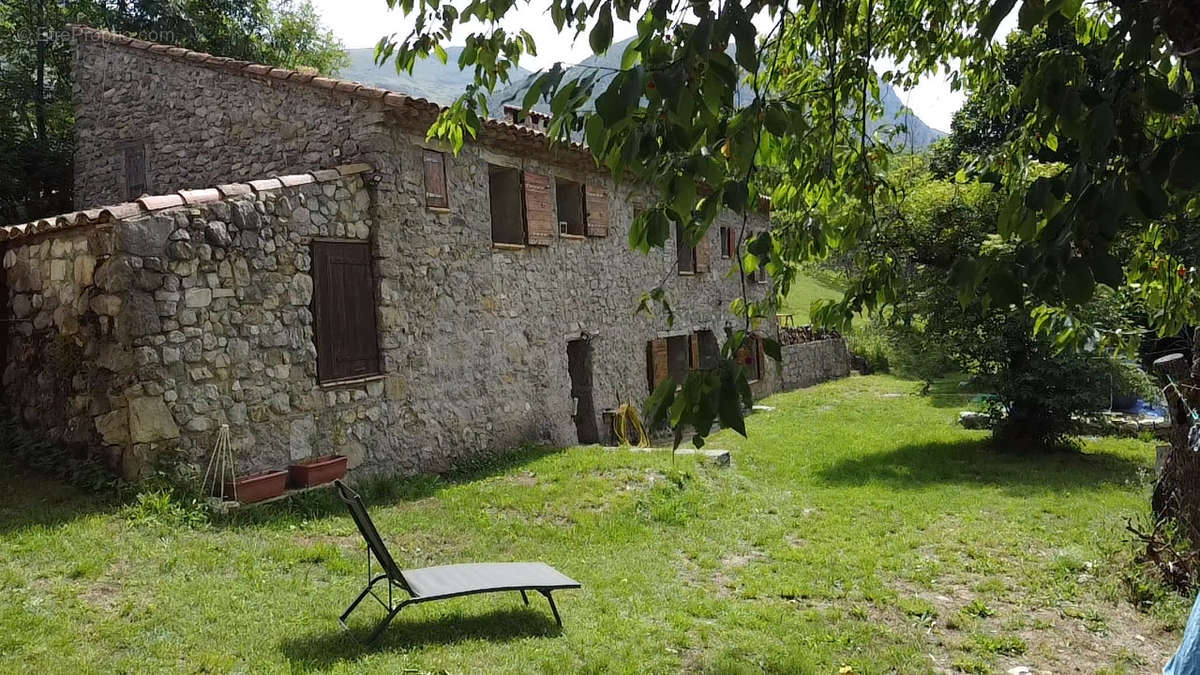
317,470
257,486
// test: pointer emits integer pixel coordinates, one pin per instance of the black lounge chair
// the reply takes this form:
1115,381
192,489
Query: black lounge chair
445,581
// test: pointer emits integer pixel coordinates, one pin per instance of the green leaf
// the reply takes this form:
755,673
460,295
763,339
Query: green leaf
772,349
745,39
658,406
1107,270
601,36
995,14
729,405
1078,285
1160,97
1031,14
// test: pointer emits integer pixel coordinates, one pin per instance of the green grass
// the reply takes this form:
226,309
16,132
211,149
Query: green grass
804,292
858,526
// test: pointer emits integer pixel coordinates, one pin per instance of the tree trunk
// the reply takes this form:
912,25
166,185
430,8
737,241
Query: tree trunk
1177,492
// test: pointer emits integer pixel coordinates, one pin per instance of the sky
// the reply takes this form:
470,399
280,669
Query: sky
360,23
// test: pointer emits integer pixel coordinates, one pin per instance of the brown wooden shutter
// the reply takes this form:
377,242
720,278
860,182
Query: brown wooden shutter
344,311
703,254
657,364
599,212
437,194
694,345
539,210
134,157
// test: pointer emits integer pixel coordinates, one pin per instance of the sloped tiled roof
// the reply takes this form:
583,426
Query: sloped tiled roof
150,204
520,136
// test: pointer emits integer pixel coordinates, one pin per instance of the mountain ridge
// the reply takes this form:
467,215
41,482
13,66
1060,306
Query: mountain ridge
442,83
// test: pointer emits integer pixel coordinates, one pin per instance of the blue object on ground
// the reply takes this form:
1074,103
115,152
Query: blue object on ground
1187,660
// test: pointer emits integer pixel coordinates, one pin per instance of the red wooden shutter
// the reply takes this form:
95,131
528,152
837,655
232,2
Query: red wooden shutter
539,211
437,194
344,311
657,365
599,213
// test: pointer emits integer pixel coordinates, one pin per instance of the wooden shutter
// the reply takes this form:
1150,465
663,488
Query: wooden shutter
599,213
135,170
437,194
344,311
539,210
657,364
703,254
694,345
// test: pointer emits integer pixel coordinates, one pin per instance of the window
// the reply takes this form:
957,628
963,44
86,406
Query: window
679,357
437,195
344,311
759,275
728,242
134,157
685,253
750,357
504,193
706,351
568,196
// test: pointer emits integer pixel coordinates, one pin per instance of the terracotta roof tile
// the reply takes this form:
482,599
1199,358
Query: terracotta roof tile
326,175
296,179
266,184
160,202
147,204
119,211
200,196
234,190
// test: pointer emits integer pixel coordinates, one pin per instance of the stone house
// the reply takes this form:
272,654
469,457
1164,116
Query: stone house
407,307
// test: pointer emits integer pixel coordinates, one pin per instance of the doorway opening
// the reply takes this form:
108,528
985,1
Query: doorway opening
579,365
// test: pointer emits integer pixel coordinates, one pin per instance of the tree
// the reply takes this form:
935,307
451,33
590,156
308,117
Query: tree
36,116
668,117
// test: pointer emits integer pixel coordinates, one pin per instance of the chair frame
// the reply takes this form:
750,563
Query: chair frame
395,576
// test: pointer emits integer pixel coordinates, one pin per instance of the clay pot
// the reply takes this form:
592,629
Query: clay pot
317,470
257,486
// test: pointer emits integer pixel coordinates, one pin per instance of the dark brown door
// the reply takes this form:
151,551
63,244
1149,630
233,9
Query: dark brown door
579,365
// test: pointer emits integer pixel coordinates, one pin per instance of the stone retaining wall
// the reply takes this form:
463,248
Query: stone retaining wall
810,363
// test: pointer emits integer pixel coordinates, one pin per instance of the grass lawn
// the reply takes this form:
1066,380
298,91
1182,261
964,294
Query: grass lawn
857,526
804,292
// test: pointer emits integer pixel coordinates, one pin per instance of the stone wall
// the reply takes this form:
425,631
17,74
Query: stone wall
810,363
200,127
66,367
473,338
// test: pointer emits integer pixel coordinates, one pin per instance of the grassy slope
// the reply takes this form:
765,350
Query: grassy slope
857,526
806,290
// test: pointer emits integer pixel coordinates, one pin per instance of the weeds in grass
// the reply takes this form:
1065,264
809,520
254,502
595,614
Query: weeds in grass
979,608
974,666
1005,645
162,508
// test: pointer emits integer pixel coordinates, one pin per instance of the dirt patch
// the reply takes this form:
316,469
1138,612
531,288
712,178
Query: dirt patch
1014,632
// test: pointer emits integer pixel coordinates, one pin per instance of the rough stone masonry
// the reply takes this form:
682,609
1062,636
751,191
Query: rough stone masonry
145,326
